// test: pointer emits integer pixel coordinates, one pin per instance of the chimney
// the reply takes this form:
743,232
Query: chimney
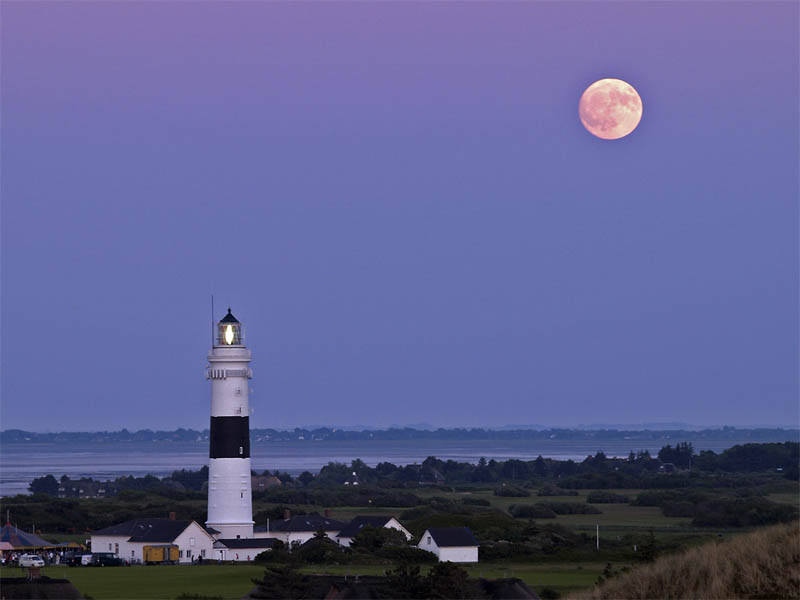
172,516
327,513
287,514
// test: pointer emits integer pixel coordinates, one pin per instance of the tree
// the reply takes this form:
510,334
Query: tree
371,539
680,455
406,582
305,477
448,580
44,485
280,581
648,550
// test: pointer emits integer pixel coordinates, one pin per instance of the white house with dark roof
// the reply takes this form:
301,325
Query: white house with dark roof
298,529
128,539
242,549
346,535
454,544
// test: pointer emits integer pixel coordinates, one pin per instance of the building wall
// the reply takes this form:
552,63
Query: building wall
192,542
237,554
459,554
395,524
111,543
294,536
448,553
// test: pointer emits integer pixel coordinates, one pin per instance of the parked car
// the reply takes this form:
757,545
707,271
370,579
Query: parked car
105,559
30,560
77,559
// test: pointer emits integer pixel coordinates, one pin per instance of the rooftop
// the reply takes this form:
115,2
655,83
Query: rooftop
452,536
358,523
146,530
247,543
303,523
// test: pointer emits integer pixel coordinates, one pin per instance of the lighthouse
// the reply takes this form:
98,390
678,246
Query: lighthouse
230,504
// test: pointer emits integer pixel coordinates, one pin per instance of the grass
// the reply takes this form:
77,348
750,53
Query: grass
561,577
625,515
233,581
789,498
156,582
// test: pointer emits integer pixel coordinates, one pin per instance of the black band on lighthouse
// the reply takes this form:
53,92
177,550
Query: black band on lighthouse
230,437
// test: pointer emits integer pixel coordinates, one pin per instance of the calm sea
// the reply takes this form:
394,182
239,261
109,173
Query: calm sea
21,463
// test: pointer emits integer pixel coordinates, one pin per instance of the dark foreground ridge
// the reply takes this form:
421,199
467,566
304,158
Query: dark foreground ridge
22,588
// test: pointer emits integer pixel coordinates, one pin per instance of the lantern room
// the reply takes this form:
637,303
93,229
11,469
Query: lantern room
229,331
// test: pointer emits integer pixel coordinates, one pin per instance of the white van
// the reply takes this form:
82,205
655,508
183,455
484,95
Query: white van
30,560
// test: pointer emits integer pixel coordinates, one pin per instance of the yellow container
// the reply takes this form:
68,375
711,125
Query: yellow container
161,554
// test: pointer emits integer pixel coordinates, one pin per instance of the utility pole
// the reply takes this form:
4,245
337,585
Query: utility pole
598,536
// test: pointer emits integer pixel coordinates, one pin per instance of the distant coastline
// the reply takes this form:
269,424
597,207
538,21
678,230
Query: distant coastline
322,434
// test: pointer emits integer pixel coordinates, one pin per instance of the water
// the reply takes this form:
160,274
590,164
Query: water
21,463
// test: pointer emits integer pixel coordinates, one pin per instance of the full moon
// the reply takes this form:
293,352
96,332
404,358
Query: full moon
610,109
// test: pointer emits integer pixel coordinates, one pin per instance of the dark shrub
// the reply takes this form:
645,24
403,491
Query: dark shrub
571,508
742,512
407,554
476,502
511,492
678,509
551,490
531,511
606,498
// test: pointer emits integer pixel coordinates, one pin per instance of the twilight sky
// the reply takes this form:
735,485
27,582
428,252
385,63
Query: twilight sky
400,203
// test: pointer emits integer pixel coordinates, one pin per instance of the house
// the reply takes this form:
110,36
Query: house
454,544
346,535
299,529
242,549
260,483
352,479
128,539
431,476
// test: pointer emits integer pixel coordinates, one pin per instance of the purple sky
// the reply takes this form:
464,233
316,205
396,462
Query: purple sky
400,203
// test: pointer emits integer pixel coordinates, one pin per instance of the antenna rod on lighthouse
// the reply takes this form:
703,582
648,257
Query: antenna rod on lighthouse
212,320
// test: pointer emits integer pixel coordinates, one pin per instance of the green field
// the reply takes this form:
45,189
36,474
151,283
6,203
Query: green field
234,581
559,576
156,582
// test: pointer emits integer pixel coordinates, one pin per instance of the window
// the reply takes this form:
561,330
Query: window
202,553
109,546
180,553
429,539
241,450
188,554
116,548
133,553
191,541
238,536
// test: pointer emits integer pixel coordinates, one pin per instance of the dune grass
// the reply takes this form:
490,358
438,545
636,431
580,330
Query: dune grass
761,564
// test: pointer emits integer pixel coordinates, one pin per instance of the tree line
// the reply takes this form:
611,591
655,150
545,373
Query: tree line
673,467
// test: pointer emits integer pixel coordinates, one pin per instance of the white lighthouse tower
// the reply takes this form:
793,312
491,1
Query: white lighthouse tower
230,504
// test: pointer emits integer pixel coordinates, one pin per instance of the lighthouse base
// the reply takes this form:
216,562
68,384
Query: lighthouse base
230,531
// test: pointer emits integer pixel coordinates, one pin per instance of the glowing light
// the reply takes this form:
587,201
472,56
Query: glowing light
229,335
